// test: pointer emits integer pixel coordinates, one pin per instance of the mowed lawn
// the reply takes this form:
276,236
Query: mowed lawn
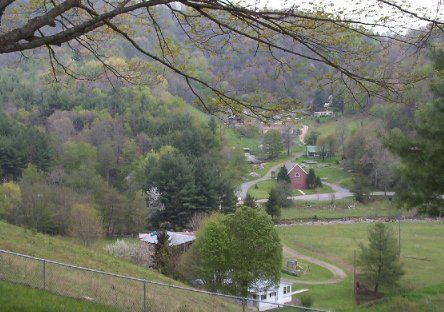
14,297
421,253
344,208
330,171
264,187
313,272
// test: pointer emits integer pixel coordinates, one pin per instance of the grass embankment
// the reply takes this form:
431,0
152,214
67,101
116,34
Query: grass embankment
424,299
327,126
14,297
78,284
343,208
421,254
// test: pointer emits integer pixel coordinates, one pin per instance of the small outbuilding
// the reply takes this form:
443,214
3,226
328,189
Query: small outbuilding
312,151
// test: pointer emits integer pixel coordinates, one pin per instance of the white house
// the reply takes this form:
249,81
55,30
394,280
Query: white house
326,113
272,297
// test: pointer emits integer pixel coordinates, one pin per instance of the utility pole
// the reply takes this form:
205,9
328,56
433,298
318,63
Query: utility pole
399,235
354,271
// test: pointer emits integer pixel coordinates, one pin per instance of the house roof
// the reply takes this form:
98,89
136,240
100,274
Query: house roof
175,238
312,149
262,285
291,165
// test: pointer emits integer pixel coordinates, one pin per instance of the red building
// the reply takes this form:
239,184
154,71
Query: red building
297,174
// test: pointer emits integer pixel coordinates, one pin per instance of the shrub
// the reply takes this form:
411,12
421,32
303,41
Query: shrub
306,300
137,253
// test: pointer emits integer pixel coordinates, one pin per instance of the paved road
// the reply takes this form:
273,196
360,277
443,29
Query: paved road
338,274
338,193
243,189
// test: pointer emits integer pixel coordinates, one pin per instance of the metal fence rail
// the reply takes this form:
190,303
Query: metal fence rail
124,292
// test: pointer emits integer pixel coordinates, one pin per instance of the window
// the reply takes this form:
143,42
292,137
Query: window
273,294
263,297
285,290
288,289
297,175
254,296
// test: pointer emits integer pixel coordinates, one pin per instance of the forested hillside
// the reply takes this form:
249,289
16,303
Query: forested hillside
120,158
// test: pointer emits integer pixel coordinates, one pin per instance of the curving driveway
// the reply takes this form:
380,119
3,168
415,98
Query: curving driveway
243,189
338,193
338,274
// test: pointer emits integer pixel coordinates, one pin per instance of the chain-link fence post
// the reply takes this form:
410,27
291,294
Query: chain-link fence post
144,296
44,275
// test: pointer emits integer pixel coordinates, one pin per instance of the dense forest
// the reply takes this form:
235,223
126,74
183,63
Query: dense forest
133,156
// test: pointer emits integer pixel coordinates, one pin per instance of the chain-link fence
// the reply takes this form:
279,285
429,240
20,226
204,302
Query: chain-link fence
122,292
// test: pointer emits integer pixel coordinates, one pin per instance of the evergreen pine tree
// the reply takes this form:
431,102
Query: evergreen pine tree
249,201
311,179
380,259
283,175
273,206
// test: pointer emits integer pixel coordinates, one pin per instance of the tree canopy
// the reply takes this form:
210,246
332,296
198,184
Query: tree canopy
421,180
237,252
288,35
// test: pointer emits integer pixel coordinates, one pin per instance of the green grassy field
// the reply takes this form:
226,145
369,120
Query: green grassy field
421,255
343,208
328,126
14,297
236,139
330,171
103,289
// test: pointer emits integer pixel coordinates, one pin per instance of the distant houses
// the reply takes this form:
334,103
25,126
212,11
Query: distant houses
298,175
326,113
311,151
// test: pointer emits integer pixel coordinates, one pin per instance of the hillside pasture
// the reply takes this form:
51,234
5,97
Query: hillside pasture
343,208
103,289
421,254
16,297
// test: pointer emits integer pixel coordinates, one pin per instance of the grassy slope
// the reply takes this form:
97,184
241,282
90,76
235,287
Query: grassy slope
102,288
336,244
425,299
347,207
16,297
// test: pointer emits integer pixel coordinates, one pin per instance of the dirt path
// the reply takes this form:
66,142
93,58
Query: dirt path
304,131
338,274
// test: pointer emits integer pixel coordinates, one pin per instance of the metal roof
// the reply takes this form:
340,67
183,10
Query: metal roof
175,238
